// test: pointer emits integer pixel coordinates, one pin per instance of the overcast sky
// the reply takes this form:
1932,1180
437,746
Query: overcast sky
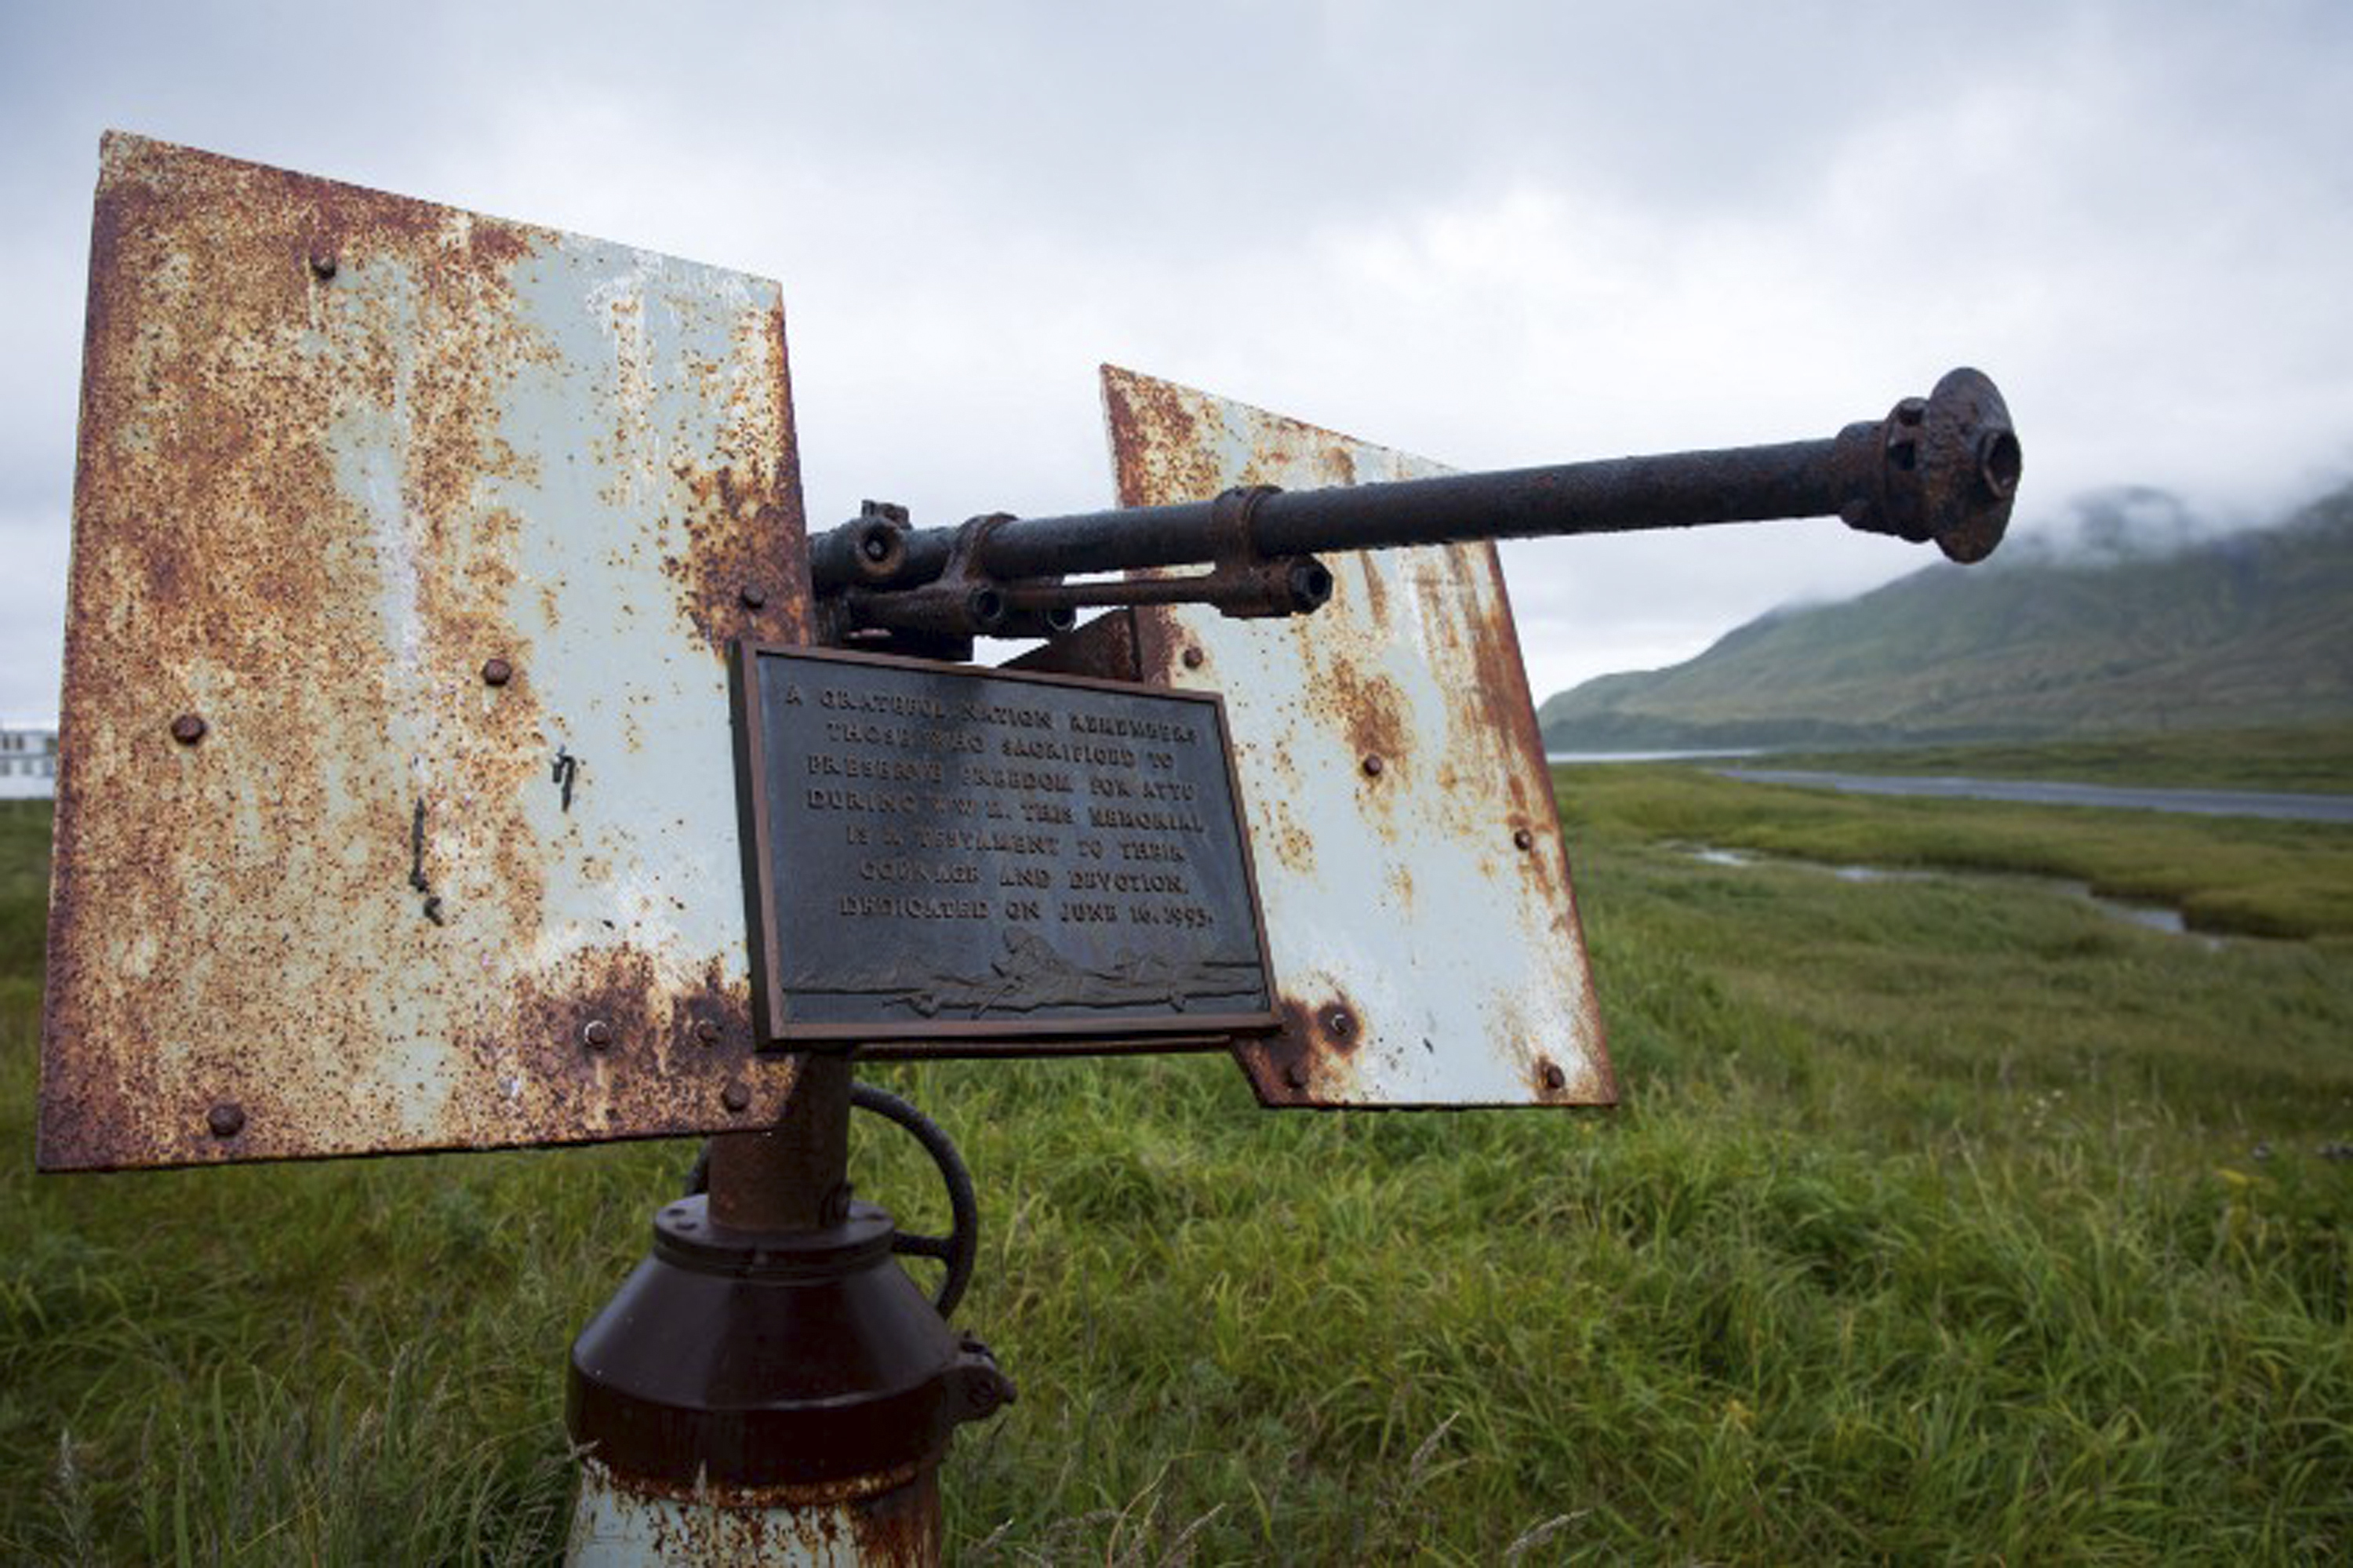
1492,234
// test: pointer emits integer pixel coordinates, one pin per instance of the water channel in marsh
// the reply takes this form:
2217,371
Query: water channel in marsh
2151,916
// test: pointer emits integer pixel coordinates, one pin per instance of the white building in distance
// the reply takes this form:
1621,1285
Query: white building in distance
28,764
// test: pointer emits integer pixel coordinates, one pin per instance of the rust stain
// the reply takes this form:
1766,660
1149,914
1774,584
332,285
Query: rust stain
1370,710
733,577
1155,443
1373,586
1313,1058
891,1519
738,1497
1500,687
313,504
744,570
1294,846
1283,1068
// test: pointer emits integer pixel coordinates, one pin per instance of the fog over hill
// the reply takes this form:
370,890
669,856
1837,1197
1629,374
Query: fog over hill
2140,615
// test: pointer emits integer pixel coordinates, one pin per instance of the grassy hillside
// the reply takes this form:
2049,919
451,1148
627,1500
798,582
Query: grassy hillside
1945,1221
2242,630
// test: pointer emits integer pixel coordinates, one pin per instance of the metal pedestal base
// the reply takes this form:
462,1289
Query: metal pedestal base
769,1396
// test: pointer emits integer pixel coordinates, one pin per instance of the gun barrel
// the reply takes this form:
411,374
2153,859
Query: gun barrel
1943,468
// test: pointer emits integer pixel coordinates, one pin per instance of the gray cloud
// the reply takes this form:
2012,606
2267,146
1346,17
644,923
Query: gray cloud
1497,234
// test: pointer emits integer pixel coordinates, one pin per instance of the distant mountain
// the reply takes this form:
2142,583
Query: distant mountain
2142,620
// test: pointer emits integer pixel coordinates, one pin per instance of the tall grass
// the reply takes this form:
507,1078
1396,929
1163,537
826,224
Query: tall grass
1942,1222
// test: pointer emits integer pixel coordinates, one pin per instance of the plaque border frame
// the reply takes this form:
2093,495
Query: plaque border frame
944,1039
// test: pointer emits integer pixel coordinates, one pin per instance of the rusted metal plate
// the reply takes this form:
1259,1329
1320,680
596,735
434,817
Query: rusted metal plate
397,807
1419,912
963,862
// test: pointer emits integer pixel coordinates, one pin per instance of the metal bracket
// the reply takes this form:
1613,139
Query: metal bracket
1247,586
965,601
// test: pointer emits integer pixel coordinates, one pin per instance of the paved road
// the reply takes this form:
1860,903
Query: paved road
2199,802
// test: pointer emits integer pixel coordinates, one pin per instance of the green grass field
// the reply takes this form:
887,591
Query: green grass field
2313,758
2246,876
1946,1220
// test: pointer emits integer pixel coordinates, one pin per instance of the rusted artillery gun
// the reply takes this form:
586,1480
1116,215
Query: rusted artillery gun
1944,468
1332,851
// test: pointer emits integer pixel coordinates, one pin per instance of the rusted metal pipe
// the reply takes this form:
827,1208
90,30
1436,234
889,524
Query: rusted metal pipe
1944,468
795,1175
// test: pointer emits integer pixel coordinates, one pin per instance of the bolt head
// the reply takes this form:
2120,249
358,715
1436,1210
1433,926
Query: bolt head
226,1119
1373,766
597,1034
1309,584
754,596
833,1208
706,1032
1193,658
1555,1080
1295,1076
323,264
735,1098
497,673
984,1395
188,729
1524,839
1340,1022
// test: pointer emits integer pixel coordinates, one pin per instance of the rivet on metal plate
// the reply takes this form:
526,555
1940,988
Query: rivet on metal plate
322,264
706,1032
1295,1076
1555,1080
1341,1023
188,729
226,1119
735,1098
753,596
597,1034
1525,839
1193,658
497,673
1373,766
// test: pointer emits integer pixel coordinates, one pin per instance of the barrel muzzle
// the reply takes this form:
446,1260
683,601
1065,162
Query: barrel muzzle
1942,468
869,551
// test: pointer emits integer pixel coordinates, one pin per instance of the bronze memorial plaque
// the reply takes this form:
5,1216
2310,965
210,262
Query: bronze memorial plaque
985,860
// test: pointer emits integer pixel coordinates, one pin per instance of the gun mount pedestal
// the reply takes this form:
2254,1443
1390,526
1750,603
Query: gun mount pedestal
769,1386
